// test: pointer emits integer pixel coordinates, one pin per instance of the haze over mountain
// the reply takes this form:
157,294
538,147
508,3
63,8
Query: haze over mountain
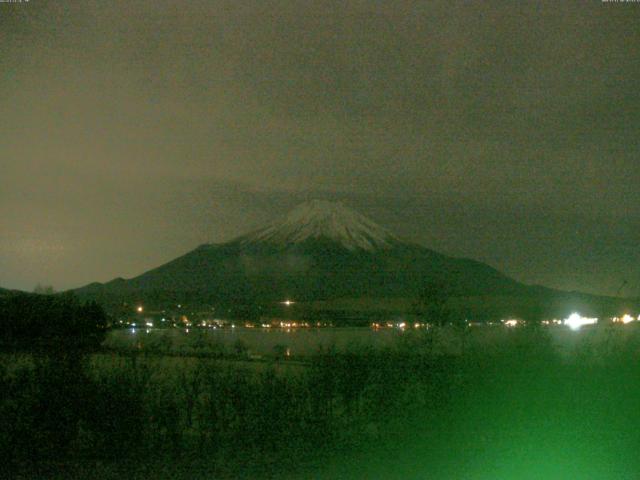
320,251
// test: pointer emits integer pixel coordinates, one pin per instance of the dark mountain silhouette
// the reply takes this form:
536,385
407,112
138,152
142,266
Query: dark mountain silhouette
320,251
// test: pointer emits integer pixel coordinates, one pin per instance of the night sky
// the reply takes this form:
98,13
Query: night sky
133,131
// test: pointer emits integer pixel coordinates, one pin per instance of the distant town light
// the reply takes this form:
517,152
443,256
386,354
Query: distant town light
627,319
139,309
288,302
575,321
511,322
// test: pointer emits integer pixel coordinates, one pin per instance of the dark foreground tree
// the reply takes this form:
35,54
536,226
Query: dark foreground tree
58,322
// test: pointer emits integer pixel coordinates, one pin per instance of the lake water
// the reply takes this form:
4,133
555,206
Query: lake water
262,341
307,341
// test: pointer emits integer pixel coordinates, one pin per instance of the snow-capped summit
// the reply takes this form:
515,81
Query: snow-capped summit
324,219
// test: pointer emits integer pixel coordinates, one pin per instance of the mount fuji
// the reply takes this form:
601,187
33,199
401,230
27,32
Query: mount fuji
320,219
319,252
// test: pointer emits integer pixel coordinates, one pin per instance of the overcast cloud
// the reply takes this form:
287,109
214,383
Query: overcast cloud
131,132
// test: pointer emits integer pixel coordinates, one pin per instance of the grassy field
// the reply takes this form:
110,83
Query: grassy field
475,404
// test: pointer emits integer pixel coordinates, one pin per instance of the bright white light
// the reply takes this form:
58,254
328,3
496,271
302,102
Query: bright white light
627,318
139,309
402,325
511,323
575,321
288,302
149,324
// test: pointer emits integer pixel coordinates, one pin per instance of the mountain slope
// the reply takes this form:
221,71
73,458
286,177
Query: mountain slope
318,252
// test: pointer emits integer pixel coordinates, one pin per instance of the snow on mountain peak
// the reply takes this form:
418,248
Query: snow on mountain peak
325,219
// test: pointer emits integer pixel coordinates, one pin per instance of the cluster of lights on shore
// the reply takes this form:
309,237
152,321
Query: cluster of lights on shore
183,321
574,321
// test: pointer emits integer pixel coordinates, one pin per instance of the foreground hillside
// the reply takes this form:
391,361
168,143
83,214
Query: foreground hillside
508,405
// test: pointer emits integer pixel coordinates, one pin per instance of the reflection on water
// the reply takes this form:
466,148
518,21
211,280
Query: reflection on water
307,341
303,341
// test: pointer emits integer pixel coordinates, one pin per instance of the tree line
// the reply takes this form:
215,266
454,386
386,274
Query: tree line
50,321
